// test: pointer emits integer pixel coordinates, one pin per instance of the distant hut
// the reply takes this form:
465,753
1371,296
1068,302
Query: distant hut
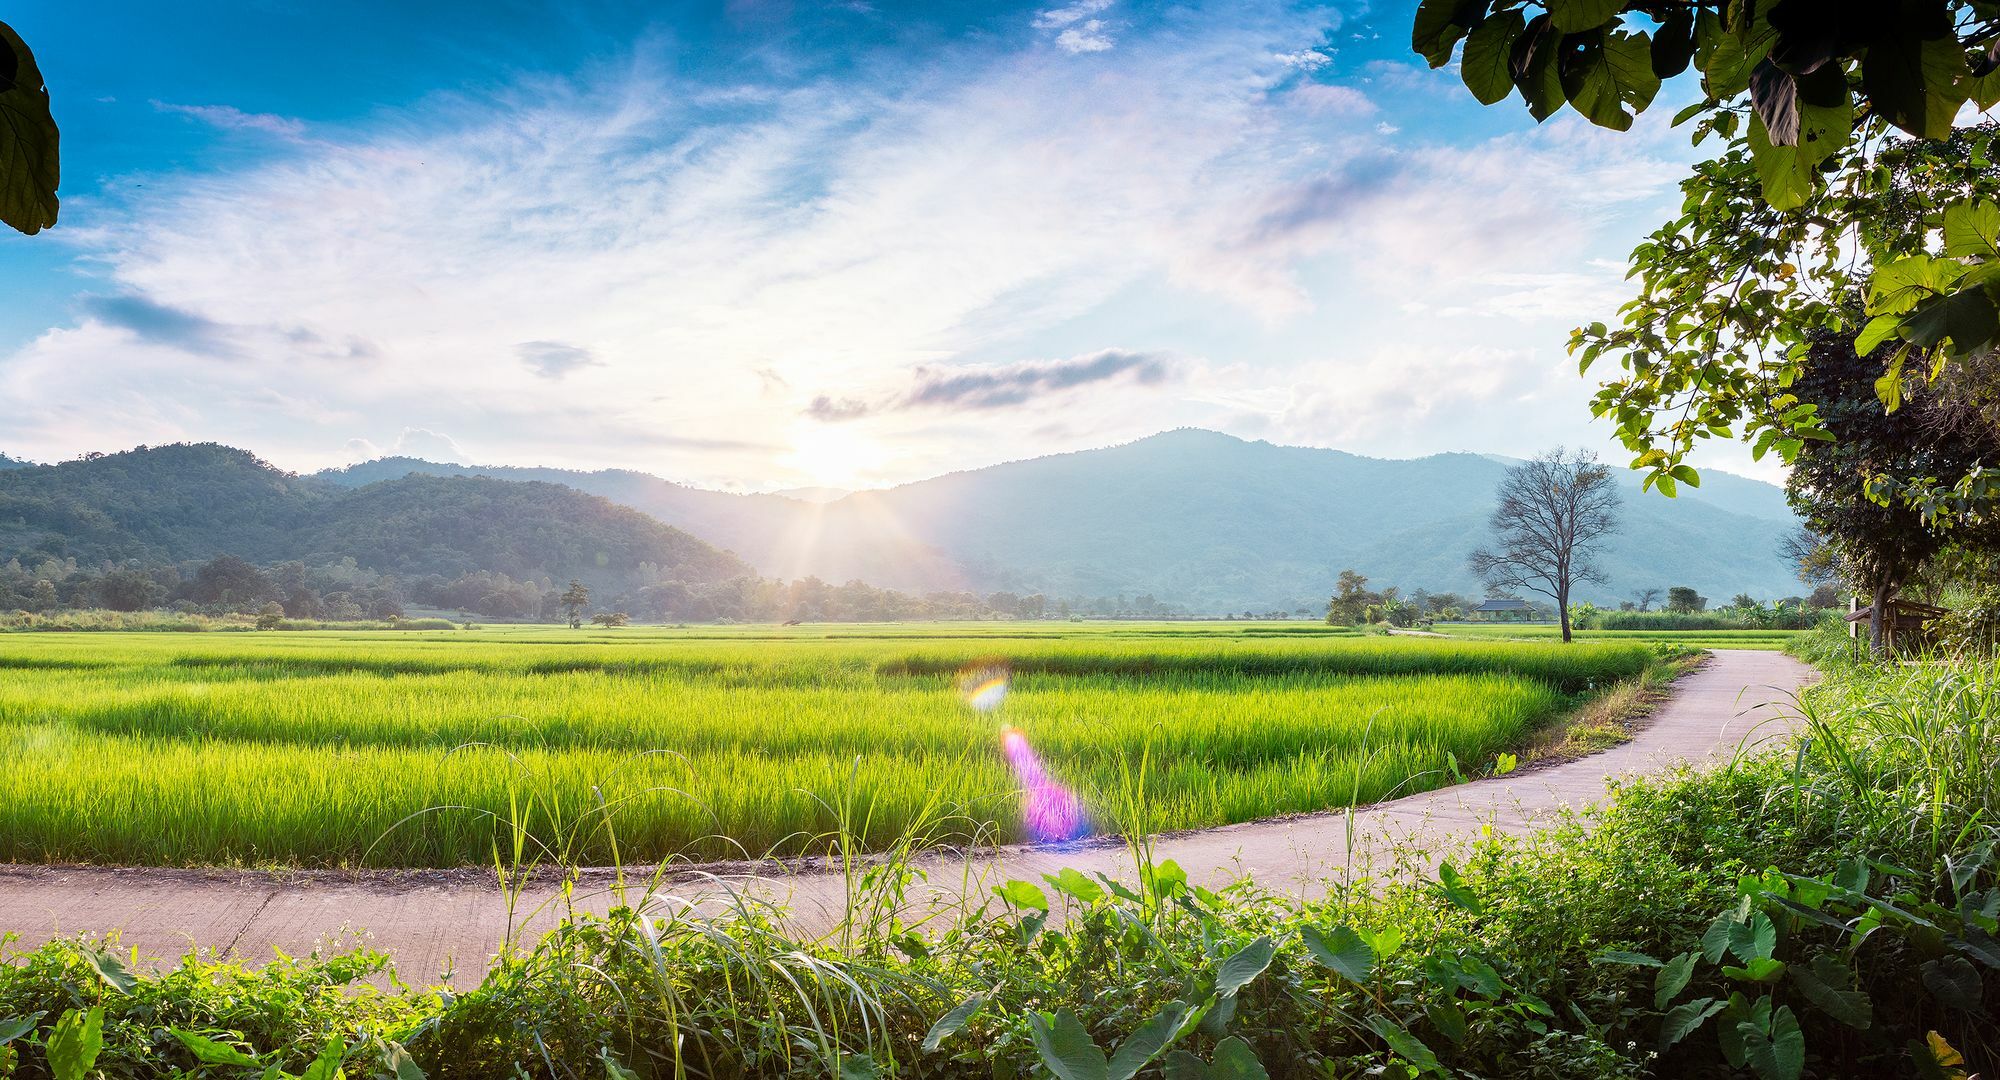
1503,609
1903,625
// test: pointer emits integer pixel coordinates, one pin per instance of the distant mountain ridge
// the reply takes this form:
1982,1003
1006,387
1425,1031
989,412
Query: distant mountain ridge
1187,516
196,501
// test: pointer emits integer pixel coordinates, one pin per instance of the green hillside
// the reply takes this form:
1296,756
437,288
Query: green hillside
1189,516
181,502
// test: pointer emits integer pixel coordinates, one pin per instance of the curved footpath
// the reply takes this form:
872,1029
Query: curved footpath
438,922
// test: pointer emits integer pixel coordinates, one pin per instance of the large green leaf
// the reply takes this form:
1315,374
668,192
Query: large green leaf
1682,1020
1573,16
1537,74
1672,978
1972,229
16,1026
1151,1040
1234,1060
1954,982
327,1065
1243,965
1755,939
1916,83
1780,1054
1407,1046
952,1022
1023,894
1825,983
1673,44
1066,1049
29,141
1439,24
1486,65
1342,950
74,1043
211,1052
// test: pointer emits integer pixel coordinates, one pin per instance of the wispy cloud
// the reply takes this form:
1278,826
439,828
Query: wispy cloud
554,359
1005,386
162,324
231,118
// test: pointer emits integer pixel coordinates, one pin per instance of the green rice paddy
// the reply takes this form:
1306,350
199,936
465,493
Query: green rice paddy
406,748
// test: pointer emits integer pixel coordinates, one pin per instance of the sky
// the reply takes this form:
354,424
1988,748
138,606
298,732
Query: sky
761,244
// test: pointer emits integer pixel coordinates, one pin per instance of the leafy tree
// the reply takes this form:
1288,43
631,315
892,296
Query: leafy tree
608,619
127,590
1882,545
271,616
1646,598
1796,212
1683,599
1743,601
1552,512
228,581
575,602
29,141
1351,598
42,596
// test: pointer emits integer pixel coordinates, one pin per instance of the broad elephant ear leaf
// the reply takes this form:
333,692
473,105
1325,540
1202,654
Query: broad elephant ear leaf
28,140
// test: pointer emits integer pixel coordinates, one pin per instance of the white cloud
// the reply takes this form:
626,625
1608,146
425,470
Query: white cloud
657,274
1085,37
230,118
427,444
1069,15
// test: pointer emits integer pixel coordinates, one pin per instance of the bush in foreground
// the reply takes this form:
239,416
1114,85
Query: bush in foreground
1829,911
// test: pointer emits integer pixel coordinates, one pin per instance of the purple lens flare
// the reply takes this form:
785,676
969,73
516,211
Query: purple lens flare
1051,812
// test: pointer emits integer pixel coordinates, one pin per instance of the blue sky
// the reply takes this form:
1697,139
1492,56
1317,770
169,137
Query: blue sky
762,244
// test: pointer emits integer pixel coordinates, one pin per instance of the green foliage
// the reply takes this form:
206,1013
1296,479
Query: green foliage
1805,96
29,167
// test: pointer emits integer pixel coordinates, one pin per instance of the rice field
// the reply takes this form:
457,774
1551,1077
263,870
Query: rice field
1693,639
416,748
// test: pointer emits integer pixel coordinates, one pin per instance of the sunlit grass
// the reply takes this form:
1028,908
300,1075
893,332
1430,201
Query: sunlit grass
310,748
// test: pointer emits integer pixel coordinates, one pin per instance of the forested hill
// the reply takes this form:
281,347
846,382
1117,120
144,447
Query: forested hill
181,502
1191,517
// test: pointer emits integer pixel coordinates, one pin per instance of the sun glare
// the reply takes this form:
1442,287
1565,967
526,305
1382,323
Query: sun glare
830,455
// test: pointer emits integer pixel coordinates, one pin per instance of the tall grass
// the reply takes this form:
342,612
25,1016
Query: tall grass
328,749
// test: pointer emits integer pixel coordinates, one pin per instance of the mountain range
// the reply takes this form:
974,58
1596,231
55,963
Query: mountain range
1189,516
197,501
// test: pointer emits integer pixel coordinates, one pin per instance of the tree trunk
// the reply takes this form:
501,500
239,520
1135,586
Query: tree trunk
1562,611
1878,645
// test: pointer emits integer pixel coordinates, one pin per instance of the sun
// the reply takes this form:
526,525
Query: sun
831,455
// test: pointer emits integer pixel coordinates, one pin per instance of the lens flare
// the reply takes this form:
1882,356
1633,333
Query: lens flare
1049,811
984,687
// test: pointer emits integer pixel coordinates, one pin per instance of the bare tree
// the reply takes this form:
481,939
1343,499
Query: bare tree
1646,598
1552,512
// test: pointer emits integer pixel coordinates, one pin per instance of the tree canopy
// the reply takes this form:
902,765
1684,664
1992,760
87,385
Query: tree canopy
1813,198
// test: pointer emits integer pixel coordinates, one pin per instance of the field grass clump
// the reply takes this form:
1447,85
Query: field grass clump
407,749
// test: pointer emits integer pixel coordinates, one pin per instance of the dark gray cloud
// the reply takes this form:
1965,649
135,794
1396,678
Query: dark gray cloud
162,325
976,389
554,359
1327,200
827,408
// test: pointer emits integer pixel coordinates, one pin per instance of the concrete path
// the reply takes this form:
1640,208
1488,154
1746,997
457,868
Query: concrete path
435,924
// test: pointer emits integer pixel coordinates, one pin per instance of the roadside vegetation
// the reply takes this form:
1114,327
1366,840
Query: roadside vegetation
1825,909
